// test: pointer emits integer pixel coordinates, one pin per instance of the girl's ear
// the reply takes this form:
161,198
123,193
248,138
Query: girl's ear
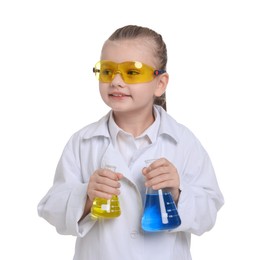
161,84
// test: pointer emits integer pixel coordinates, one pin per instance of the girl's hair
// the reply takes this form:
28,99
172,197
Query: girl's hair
134,31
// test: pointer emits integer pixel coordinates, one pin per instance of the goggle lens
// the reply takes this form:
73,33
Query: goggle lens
131,71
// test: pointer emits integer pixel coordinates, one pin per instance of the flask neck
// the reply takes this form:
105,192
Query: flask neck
150,190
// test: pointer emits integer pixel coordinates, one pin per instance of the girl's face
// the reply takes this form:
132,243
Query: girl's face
131,98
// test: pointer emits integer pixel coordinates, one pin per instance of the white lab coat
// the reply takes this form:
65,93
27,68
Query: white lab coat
122,238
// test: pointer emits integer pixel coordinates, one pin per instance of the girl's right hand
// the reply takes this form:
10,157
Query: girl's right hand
103,183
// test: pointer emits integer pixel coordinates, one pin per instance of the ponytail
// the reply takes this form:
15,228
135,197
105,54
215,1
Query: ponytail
161,101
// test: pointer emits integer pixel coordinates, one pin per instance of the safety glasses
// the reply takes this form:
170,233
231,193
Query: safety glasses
131,71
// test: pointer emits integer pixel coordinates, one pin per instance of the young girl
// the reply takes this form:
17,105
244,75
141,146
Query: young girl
132,82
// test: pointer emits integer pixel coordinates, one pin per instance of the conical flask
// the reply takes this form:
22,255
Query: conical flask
106,208
160,211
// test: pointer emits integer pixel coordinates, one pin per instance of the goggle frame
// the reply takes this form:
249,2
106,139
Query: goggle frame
132,72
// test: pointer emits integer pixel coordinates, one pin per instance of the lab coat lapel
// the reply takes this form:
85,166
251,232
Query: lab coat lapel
113,157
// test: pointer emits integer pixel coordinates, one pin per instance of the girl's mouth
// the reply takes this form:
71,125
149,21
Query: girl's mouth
119,95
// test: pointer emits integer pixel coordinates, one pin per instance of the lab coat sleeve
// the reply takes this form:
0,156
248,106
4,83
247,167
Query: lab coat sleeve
200,197
64,203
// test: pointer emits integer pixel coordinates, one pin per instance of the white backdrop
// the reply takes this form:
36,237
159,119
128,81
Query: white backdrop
47,92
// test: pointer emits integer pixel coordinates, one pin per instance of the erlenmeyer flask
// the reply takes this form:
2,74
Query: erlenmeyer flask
160,211
104,208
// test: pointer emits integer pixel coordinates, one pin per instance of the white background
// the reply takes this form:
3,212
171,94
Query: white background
47,92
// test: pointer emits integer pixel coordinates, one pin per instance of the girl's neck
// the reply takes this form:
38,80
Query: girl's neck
132,123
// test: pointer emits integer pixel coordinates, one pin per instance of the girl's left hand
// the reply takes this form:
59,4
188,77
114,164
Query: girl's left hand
162,174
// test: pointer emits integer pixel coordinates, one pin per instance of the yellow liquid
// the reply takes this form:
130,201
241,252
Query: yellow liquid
103,208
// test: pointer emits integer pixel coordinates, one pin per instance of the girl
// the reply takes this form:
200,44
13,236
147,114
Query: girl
132,82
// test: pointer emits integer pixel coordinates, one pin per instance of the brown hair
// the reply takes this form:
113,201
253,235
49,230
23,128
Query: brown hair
134,31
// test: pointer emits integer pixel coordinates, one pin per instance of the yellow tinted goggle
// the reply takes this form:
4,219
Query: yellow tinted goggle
131,71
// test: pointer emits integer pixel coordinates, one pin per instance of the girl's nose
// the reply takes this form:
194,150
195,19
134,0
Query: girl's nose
117,80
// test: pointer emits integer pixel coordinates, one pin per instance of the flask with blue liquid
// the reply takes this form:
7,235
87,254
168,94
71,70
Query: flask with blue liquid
160,211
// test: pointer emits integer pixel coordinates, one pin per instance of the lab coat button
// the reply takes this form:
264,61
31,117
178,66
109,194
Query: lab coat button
134,234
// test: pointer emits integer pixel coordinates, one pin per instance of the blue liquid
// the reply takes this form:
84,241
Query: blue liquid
152,221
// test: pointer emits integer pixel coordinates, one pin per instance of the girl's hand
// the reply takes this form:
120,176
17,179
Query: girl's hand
104,183
162,174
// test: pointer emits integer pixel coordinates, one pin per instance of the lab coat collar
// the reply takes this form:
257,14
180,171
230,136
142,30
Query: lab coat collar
167,126
99,128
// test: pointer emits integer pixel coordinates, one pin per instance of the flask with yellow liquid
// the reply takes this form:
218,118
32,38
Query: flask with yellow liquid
106,208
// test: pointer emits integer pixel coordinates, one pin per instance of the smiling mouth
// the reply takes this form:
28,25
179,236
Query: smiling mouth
119,95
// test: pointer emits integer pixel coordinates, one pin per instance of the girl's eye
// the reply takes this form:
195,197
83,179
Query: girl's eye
133,72
106,72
